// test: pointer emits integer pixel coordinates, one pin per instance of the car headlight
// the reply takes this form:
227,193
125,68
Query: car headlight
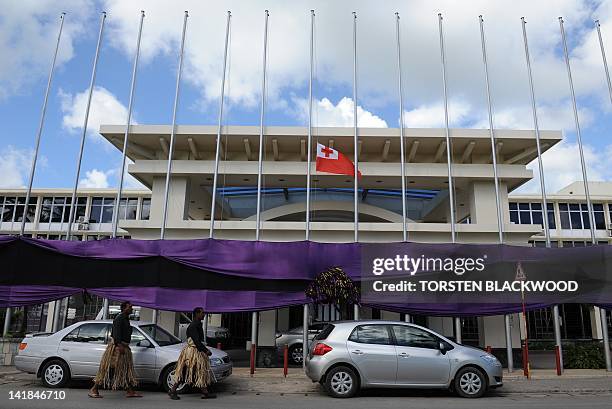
216,361
490,359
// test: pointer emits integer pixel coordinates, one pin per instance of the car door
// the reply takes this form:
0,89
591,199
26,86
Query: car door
83,347
419,359
372,351
143,353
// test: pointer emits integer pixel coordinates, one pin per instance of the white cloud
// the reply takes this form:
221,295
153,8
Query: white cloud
289,39
562,167
432,116
28,33
325,113
95,179
105,109
14,167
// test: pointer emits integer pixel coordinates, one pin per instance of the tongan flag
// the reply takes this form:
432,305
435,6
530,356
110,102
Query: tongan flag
331,161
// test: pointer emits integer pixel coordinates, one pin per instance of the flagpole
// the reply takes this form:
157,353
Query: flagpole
309,158
355,146
603,56
451,193
537,137
355,132
219,127
40,126
401,125
261,125
578,136
173,129
127,127
500,223
84,133
602,310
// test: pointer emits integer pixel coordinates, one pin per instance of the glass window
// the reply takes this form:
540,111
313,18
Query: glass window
102,210
371,334
159,335
137,336
9,209
127,208
531,213
414,337
91,333
145,209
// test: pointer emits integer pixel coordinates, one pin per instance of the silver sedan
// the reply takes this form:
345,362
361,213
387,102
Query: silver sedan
75,352
350,355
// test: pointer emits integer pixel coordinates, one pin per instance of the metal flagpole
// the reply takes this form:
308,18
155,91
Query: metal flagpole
355,136
451,193
261,125
500,222
401,125
127,127
40,126
578,136
219,127
604,322
603,56
172,135
309,159
355,147
308,164
540,164
83,135
173,130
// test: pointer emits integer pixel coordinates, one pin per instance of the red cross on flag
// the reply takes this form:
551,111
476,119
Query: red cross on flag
331,161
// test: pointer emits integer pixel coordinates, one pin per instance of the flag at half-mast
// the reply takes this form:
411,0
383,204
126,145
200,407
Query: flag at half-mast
331,161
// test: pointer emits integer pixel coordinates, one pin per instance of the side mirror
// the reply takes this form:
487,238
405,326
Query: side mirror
144,343
442,348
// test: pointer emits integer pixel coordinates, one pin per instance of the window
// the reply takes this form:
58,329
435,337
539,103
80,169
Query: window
128,208
102,209
145,209
90,333
20,208
531,213
371,334
407,336
575,216
159,335
137,336
12,208
8,210
57,209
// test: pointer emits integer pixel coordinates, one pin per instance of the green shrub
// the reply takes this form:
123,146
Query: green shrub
583,356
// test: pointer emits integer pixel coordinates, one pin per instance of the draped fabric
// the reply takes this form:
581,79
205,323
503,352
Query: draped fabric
232,275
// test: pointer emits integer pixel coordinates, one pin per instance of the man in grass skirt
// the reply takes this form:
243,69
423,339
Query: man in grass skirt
116,369
193,366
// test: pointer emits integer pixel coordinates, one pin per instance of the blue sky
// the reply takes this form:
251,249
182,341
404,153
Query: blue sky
28,30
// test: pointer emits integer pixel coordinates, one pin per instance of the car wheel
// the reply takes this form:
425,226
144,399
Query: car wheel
470,382
168,380
341,382
296,354
55,374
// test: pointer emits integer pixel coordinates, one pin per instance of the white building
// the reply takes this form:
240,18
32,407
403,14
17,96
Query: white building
380,210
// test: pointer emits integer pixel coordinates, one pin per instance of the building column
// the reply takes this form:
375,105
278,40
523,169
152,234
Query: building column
509,355
557,327
7,322
606,340
458,330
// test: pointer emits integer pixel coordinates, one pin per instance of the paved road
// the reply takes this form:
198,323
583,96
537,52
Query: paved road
599,396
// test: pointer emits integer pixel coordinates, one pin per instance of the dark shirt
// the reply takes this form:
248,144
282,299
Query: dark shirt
122,330
196,333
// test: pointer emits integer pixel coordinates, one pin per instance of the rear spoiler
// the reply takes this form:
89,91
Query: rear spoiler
39,334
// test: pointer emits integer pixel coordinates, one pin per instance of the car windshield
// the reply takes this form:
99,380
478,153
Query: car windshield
159,335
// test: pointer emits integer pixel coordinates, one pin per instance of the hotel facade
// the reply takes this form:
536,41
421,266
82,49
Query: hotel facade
283,210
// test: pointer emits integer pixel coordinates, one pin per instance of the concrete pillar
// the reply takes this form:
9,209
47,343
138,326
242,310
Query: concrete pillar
606,340
7,321
356,311
458,330
177,199
557,327
508,330
482,204
305,336
56,316
205,327
105,309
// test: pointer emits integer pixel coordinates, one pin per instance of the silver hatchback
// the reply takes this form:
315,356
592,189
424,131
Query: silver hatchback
75,352
350,355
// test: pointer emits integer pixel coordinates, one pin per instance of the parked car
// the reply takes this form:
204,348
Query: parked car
294,340
349,355
75,352
113,310
214,333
